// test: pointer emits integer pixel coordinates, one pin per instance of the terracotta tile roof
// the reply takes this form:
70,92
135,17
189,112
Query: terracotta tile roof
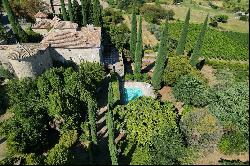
22,51
40,15
65,25
88,37
42,24
46,23
3,47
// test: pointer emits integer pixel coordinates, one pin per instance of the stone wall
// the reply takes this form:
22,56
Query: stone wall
76,55
32,66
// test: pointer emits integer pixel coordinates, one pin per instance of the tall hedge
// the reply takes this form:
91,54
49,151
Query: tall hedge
195,55
70,10
138,51
161,58
181,45
132,41
64,12
84,12
96,13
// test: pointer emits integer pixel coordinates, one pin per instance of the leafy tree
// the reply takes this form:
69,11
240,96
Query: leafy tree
143,118
61,154
119,35
70,11
59,100
201,129
133,35
191,90
138,51
161,58
153,13
96,13
28,8
17,29
84,4
64,12
195,55
181,45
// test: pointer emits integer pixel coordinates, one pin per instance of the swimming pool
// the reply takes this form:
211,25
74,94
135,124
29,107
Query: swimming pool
131,93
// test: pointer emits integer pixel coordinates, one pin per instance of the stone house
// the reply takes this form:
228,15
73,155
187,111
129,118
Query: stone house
67,43
64,42
26,60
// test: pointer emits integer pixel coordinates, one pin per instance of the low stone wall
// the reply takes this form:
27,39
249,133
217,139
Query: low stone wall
147,89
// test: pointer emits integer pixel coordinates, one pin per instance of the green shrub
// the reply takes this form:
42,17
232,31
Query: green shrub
221,18
201,129
233,143
153,13
178,66
33,37
191,90
5,73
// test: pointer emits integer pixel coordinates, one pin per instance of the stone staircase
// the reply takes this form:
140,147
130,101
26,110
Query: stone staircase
101,123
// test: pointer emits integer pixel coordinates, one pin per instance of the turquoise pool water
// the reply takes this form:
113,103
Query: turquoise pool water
131,93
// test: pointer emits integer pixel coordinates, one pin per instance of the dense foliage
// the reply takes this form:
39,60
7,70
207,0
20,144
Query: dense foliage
57,101
177,67
142,119
231,105
202,130
191,90
153,13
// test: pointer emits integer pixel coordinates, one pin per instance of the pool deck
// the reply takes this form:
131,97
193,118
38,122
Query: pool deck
147,89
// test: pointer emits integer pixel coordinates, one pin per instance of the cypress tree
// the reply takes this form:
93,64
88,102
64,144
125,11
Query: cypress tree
84,4
92,119
70,10
133,36
161,58
195,55
181,45
64,12
138,51
17,29
76,12
110,126
96,13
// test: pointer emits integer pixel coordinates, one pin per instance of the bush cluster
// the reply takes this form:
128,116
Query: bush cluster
178,66
191,90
